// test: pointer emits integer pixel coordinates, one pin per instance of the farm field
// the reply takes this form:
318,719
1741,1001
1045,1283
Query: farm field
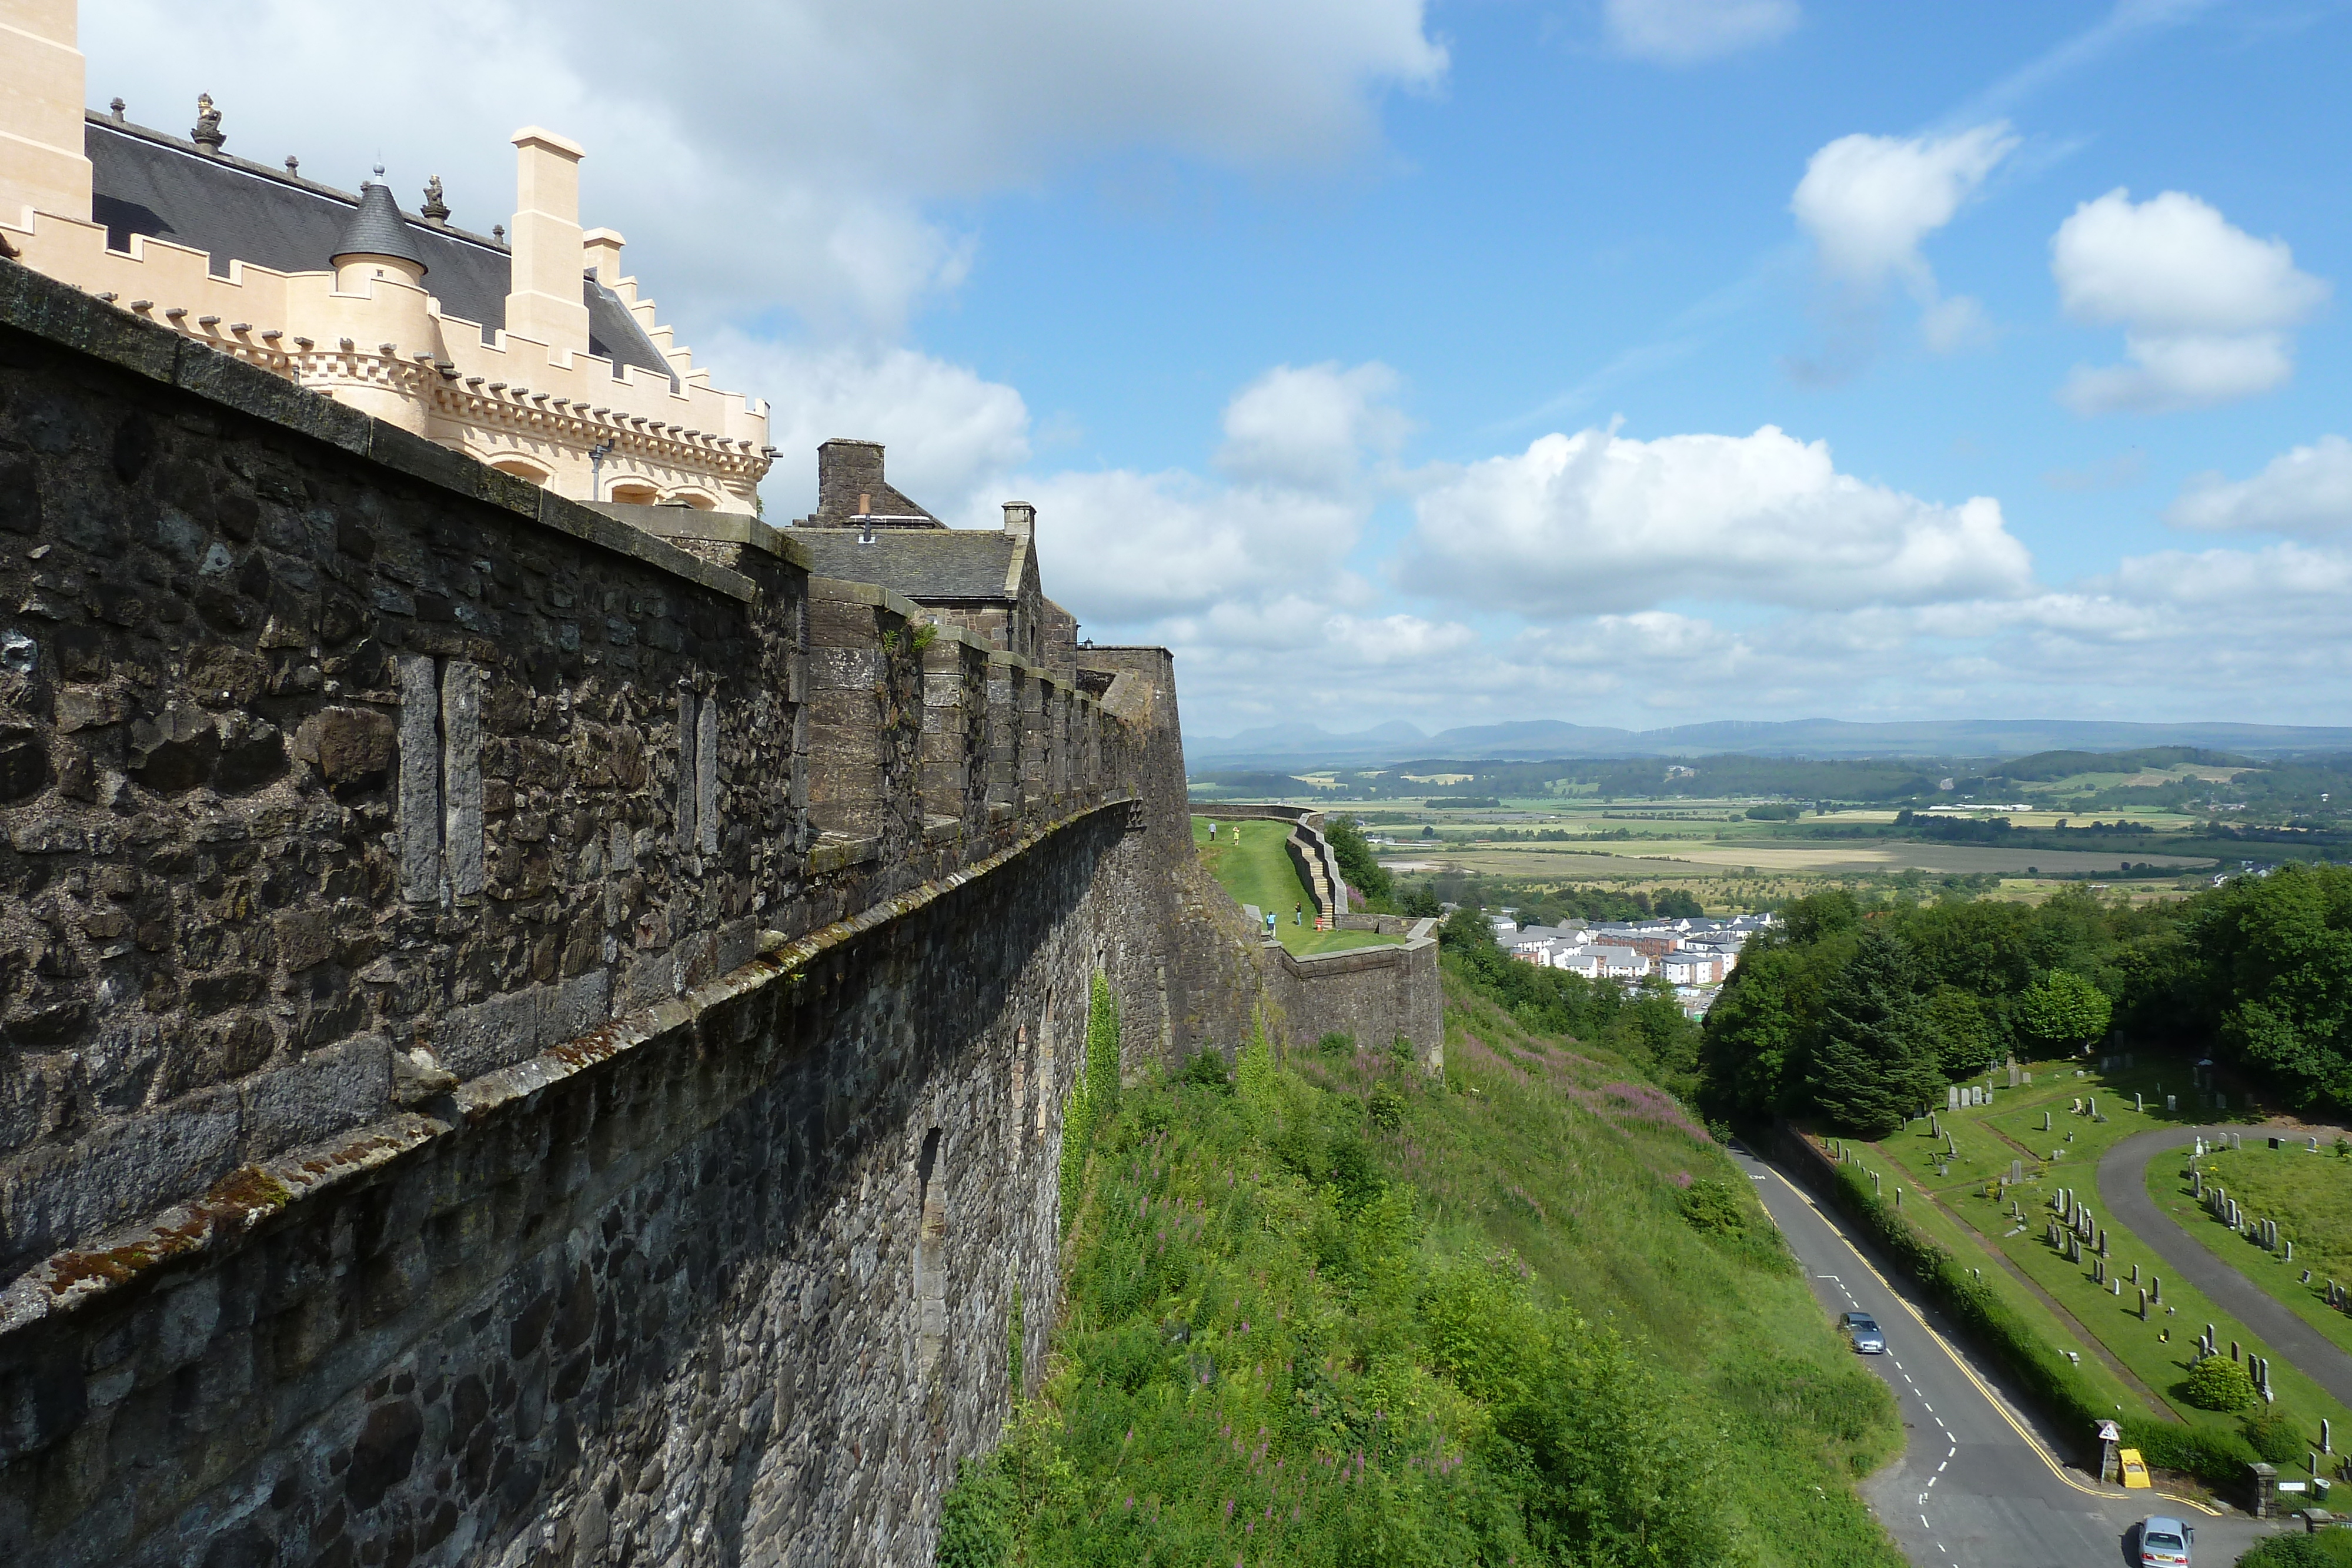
1710,857
1983,1141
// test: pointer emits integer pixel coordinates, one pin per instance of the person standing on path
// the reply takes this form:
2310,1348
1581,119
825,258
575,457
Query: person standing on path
1298,915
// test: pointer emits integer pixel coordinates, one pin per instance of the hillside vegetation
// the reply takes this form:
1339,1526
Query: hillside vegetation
1856,1017
1330,1311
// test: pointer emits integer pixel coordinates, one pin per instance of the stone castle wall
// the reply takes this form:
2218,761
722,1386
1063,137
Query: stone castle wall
523,1041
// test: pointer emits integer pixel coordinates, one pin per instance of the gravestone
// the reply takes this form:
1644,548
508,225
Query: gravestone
1952,1098
2172,1102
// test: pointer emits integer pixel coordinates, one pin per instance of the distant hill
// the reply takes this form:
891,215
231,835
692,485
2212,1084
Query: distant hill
1294,745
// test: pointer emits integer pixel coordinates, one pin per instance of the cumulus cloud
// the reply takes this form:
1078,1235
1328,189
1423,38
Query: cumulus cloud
2206,308
2306,491
1311,428
777,153
953,436
1596,522
1295,496
1868,202
1686,32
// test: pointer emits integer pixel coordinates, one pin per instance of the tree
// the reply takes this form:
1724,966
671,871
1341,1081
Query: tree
1355,857
1872,1064
1677,904
1964,1041
2063,1010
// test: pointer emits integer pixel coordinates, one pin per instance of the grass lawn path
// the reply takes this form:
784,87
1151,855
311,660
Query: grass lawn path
2122,1183
1248,858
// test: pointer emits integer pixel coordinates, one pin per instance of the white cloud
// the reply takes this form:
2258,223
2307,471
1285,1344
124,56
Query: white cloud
1868,201
1684,32
1599,522
777,153
2305,491
1139,548
1311,428
952,437
2206,307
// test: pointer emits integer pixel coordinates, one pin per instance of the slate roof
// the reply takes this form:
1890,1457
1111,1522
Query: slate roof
921,563
377,229
145,181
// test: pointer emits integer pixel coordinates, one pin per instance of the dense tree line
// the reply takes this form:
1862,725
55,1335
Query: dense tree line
1857,1017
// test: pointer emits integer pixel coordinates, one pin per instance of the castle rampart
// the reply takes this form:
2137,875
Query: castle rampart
522,1039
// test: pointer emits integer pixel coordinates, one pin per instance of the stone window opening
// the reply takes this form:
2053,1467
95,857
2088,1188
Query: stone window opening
1020,1083
439,796
931,1256
697,771
1045,1064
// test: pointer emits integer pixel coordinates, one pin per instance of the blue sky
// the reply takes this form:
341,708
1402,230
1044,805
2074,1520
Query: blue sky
1631,362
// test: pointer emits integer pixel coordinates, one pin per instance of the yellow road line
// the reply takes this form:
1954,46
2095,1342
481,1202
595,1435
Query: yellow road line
2000,1406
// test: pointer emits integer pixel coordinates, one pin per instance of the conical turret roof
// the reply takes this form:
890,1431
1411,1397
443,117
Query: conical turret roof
377,229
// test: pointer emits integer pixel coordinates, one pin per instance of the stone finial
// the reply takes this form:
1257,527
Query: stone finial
434,207
116,106
293,165
207,131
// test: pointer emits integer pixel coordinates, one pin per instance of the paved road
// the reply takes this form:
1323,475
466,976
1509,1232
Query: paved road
2122,1183
1977,1487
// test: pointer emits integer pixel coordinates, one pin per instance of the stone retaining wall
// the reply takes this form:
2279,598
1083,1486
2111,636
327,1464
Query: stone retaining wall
478,984
1375,994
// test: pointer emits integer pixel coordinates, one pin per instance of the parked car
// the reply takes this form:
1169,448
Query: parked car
2164,1543
1863,1329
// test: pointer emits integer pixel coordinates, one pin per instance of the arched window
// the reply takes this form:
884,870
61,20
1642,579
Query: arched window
635,494
931,1256
520,469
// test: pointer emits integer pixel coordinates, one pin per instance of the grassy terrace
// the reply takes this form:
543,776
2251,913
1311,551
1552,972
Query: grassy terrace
2309,1196
1248,858
1986,1139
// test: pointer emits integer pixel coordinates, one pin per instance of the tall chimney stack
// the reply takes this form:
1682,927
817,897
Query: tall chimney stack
1020,520
543,298
41,73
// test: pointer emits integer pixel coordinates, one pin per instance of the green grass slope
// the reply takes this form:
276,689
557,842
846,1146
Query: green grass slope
1248,860
1330,1311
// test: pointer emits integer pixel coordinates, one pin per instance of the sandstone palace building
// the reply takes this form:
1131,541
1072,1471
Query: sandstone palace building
528,348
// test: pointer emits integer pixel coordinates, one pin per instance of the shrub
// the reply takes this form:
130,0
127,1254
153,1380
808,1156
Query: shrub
1336,1044
2217,1385
2328,1549
1386,1108
976,1518
1205,1069
2276,1439
2213,1455
1712,1207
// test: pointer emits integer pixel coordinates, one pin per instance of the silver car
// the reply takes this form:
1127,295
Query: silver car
1863,1329
2164,1543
